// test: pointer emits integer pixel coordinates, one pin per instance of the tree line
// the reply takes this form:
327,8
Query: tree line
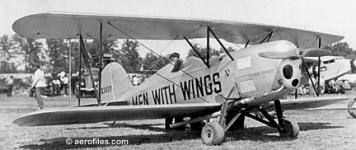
16,51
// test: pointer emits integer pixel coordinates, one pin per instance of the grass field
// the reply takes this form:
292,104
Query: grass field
327,128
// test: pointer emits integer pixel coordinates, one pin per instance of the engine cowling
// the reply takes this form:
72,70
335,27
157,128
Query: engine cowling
290,70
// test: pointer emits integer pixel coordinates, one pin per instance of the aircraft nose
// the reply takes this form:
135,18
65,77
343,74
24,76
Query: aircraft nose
290,73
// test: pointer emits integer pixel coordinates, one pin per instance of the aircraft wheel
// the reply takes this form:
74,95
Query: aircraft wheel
350,109
291,129
213,134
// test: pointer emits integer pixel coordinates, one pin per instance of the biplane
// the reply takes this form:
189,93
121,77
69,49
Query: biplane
229,87
333,67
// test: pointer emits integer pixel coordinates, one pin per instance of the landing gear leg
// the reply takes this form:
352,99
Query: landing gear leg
286,128
290,127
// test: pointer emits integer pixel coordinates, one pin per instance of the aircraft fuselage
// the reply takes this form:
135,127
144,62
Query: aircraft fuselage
248,75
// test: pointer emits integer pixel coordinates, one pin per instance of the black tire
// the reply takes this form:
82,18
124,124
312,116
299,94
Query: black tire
349,108
291,129
213,134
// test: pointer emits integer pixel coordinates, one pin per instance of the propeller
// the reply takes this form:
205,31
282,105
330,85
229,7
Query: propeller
315,52
303,54
309,76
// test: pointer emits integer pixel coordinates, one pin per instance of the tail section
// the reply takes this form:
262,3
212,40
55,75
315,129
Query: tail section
114,83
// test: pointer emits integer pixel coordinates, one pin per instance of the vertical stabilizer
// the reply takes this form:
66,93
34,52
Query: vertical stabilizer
115,82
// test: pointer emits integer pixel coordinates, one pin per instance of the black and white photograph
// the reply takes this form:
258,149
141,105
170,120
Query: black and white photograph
178,74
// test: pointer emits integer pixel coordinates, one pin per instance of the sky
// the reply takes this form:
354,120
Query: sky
328,16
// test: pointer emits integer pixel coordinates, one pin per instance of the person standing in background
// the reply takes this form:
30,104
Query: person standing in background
39,83
10,85
64,80
56,86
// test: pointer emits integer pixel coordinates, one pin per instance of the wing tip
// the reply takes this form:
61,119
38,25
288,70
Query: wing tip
21,122
19,24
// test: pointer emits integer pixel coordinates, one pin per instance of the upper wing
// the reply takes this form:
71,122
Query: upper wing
311,102
80,115
62,26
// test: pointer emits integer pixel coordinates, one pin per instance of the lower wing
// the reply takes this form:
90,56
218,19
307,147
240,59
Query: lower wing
310,102
80,115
